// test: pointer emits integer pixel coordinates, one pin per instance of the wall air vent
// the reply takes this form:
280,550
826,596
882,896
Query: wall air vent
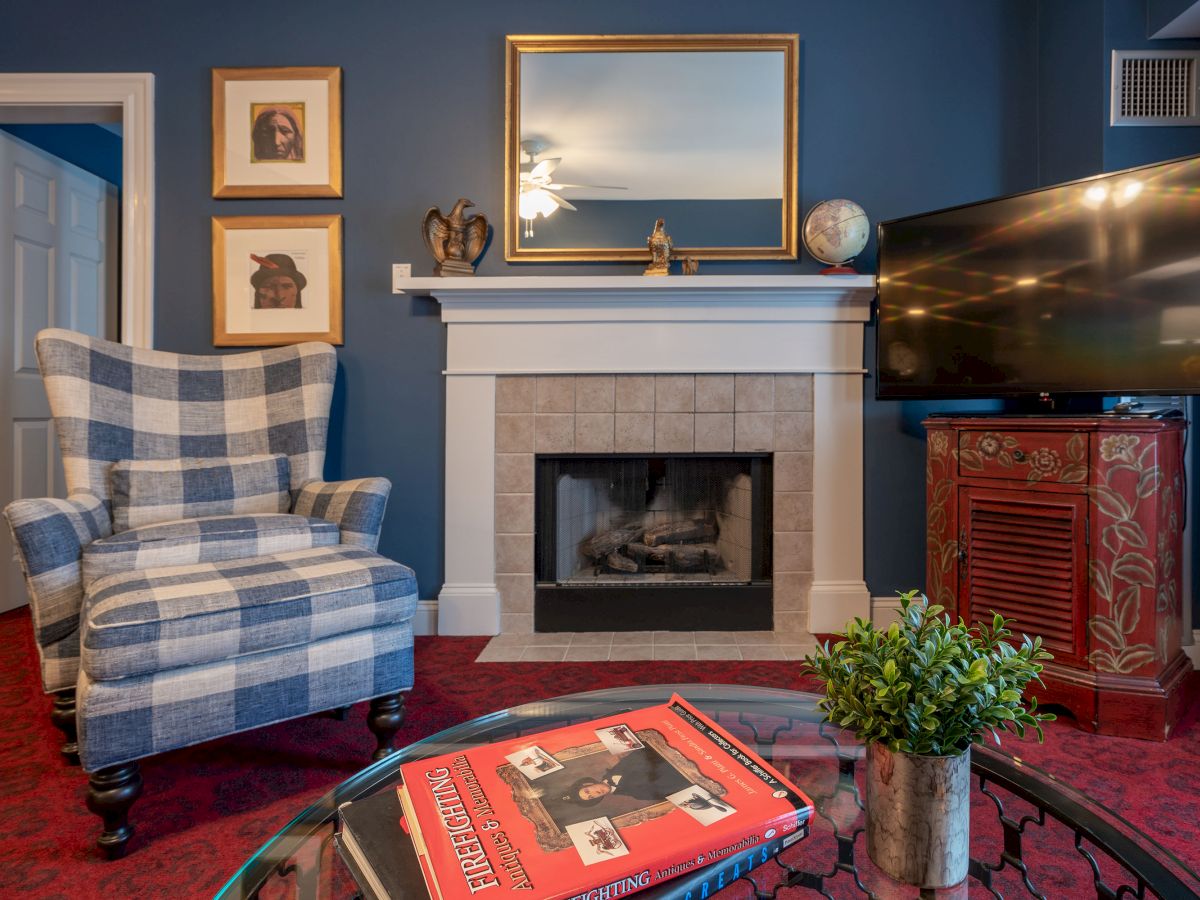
1155,87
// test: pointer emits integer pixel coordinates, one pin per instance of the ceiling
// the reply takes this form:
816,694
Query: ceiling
684,125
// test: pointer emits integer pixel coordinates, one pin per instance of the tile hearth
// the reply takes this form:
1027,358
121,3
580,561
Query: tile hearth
605,646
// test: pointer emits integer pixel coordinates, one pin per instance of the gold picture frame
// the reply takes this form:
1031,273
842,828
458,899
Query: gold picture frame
276,280
519,45
277,132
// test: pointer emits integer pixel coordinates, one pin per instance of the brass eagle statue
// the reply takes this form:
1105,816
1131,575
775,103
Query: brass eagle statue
660,246
454,241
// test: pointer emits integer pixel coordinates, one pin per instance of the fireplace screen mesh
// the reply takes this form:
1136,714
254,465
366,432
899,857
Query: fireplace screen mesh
655,520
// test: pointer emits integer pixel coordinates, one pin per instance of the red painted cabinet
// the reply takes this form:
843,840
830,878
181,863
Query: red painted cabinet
1073,527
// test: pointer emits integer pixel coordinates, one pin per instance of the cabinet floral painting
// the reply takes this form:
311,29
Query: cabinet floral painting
1129,499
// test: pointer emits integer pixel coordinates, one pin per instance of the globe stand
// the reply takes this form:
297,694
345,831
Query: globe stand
843,269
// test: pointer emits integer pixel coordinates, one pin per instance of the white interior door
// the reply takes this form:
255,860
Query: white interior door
53,272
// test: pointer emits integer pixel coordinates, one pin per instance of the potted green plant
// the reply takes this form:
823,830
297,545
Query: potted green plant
918,694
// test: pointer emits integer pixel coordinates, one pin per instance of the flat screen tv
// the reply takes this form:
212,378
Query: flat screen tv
1091,286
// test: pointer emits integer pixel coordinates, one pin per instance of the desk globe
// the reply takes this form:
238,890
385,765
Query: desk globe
834,232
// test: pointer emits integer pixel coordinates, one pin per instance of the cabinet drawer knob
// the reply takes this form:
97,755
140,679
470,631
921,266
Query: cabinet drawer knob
1019,455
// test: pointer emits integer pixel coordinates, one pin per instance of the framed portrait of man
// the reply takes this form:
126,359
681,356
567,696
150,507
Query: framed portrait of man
277,132
625,788
276,280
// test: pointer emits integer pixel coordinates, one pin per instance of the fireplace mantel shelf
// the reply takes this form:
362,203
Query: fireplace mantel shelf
745,297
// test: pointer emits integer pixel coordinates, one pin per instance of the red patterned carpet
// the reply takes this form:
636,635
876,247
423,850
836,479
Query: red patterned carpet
205,809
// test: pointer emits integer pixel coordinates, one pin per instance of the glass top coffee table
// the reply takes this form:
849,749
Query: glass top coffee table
1031,835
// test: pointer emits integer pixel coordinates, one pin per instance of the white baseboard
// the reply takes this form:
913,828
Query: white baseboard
1193,649
425,620
884,610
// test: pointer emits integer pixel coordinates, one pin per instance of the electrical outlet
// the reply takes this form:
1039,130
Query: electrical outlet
400,271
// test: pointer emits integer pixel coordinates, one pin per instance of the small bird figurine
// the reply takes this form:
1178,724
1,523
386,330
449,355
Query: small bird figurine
660,246
455,242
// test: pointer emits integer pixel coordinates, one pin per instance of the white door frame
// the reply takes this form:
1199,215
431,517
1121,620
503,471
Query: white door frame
132,93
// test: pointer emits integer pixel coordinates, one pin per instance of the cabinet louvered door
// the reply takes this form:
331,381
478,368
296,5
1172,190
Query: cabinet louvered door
1024,555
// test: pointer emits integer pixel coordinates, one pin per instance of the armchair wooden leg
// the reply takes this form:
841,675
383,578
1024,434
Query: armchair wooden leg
384,720
63,718
111,792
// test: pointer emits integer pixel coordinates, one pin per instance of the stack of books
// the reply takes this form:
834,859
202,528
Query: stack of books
659,800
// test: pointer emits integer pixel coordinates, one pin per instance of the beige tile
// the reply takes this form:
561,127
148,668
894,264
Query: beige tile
753,431
493,653
516,593
674,651
634,433
793,551
506,639
674,637
793,393
674,393
790,591
551,638
761,651
516,623
793,471
514,513
752,638
712,637
631,651
793,511
754,393
544,654
674,432
555,393
634,393
514,433
714,393
594,653
714,432
718,651
514,554
514,394
591,638
594,393
594,432
554,433
791,623
797,652
793,431
514,473
633,637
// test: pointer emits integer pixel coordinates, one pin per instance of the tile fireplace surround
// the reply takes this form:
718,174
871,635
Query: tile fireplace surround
614,364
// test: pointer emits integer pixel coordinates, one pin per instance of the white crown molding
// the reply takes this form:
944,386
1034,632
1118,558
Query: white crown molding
132,93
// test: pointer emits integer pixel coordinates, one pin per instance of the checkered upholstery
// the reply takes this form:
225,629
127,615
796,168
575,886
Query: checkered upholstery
356,506
140,622
207,540
146,491
50,536
135,717
112,402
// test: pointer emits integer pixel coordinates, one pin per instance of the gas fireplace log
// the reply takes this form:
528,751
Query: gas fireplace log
693,557
643,553
606,542
621,563
686,531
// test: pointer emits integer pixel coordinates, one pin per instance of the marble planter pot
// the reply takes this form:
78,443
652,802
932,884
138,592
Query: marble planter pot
919,816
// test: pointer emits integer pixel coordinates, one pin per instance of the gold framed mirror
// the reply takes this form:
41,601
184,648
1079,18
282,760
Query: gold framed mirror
605,133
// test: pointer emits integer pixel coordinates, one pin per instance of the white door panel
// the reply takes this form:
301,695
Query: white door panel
54,271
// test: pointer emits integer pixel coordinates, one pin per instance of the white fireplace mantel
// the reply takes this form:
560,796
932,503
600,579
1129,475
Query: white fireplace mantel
540,325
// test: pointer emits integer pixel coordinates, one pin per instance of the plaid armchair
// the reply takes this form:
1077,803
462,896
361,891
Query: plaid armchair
192,625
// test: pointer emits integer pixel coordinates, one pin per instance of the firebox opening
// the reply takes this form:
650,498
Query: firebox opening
661,542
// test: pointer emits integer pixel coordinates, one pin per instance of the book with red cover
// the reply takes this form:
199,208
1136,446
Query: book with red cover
599,809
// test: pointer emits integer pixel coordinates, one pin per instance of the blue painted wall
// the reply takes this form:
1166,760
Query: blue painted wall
906,107
92,148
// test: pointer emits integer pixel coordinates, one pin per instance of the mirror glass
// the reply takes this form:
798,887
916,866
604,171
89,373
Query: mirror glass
607,139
